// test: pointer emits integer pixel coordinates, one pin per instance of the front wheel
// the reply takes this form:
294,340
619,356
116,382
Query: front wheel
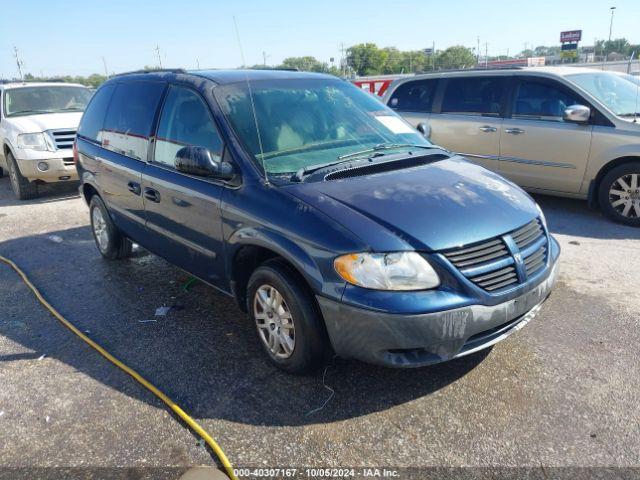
619,194
288,322
22,188
111,243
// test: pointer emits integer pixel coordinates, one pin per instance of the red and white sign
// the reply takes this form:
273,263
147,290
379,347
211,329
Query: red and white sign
571,36
377,87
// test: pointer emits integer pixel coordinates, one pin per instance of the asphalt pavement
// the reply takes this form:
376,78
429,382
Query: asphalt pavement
561,393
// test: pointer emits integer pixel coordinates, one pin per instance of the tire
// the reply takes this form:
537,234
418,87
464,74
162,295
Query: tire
619,194
111,244
22,188
309,346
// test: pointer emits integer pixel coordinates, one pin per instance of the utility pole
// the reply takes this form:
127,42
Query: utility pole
343,60
19,62
486,55
264,58
478,51
198,63
106,71
157,49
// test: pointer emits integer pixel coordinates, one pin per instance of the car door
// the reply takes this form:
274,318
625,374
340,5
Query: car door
469,119
413,100
538,148
184,211
125,142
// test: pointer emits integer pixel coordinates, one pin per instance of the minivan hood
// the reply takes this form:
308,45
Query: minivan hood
46,121
437,206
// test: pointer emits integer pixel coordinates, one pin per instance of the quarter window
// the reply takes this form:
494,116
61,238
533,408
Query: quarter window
130,117
416,96
541,101
474,96
185,121
93,117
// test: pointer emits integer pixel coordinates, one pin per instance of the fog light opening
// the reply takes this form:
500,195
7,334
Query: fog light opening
43,166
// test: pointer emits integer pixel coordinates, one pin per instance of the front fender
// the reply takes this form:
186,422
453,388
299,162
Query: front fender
319,274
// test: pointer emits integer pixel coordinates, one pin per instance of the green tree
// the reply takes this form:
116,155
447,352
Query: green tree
455,57
304,64
366,59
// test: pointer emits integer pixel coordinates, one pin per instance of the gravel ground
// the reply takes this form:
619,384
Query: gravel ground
562,392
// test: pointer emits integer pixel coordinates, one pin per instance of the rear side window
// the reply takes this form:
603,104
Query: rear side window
130,118
474,96
416,96
185,121
93,117
536,100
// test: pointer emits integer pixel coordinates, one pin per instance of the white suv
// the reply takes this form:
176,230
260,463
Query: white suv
38,123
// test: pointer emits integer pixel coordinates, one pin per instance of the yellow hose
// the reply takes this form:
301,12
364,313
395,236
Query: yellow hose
139,378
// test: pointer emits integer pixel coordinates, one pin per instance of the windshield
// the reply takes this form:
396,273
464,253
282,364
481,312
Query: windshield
310,122
614,91
54,99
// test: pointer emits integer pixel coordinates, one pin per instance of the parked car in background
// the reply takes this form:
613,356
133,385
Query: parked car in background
555,130
331,221
38,123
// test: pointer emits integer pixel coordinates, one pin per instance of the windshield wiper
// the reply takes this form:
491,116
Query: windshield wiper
383,146
375,151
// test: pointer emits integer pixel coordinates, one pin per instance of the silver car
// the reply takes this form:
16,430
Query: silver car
556,130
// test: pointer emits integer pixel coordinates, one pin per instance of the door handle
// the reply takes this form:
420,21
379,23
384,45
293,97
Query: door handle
514,131
152,194
134,187
488,129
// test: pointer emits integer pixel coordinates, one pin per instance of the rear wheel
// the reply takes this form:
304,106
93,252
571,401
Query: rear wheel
22,188
288,322
111,243
619,194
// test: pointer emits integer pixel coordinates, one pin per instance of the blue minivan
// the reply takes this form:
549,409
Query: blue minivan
333,223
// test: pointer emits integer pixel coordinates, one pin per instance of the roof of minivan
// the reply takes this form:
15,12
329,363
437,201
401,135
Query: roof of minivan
222,77
547,71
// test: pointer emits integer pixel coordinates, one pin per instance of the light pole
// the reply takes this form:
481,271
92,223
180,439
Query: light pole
611,23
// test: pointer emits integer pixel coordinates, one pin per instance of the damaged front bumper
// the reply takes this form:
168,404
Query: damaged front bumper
415,340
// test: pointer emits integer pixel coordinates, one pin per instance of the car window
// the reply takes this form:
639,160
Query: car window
185,121
130,116
473,96
93,117
416,96
536,100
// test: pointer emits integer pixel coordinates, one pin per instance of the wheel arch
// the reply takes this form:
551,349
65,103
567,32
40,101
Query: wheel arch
249,248
606,168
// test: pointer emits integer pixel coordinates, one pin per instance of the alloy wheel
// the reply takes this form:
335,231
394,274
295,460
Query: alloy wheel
100,229
274,322
624,195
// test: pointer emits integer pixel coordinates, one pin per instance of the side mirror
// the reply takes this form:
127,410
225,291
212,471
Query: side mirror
199,161
424,129
577,114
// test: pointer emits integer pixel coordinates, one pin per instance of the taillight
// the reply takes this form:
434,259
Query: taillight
75,151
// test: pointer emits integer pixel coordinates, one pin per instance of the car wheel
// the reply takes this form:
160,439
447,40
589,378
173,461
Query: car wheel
619,194
111,243
287,319
22,188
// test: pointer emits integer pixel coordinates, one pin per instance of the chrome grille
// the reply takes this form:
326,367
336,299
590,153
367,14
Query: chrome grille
480,253
68,161
492,266
534,262
63,138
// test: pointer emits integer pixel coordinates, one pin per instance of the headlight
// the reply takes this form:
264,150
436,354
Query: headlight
34,141
387,271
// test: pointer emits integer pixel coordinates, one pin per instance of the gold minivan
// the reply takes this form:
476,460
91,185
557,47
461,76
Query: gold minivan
564,131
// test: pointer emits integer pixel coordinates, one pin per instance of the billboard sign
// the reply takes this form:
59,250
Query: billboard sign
571,36
569,46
